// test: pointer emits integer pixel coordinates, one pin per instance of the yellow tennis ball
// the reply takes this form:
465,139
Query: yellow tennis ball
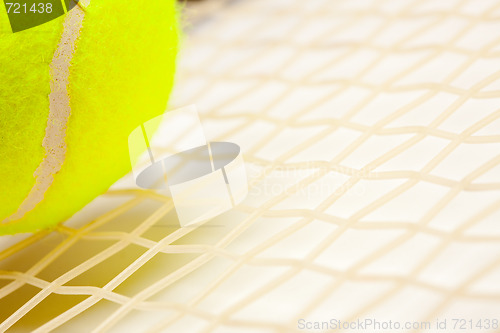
71,91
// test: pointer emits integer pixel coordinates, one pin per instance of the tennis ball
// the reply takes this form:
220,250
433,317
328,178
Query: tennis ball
71,91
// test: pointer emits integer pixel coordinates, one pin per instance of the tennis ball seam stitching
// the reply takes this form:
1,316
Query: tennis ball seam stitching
54,141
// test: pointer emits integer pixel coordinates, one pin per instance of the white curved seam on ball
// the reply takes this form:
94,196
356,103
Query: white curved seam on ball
54,141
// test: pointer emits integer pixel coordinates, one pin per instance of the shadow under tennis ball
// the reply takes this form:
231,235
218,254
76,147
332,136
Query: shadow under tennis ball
77,265
87,263
47,309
